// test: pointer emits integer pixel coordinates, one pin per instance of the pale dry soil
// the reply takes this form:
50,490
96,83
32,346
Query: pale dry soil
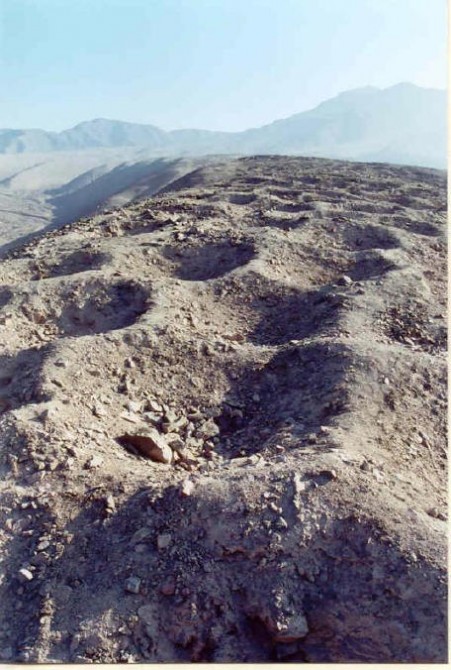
279,324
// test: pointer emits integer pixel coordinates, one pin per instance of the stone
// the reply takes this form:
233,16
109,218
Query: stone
94,462
163,541
153,417
208,429
154,406
175,442
293,628
43,545
253,460
169,415
26,574
345,280
378,476
187,487
110,503
281,523
435,513
133,406
195,415
133,585
180,424
150,444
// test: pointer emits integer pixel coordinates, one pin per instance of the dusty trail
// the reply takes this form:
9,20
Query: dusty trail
280,322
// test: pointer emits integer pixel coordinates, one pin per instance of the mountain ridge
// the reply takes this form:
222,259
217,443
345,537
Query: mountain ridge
356,125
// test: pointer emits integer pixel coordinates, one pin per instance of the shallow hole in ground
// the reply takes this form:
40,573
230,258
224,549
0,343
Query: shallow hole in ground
369,237
242,198
372,208
370,267
6,295
284,193
212,260
99,308
297,391
285,224
406,200
79,261
422,228
143,227
20,378
292,207
256,180
295,316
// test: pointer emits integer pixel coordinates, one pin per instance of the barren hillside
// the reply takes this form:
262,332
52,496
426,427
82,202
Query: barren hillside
223,422
39,192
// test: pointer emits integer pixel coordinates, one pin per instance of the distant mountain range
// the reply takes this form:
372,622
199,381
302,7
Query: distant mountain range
402,124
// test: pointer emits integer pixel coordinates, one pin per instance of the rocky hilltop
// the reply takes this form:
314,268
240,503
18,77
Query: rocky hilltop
223,422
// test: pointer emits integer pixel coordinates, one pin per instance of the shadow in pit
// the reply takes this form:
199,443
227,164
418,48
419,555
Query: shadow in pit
368,237
283,224
242,198
104,308
200,263
75,263
22,599
88,571
296,392
419,227
370,265
6,295
296,317
21,380
91,307
362,598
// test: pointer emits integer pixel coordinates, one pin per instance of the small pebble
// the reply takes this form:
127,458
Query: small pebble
26,574
187,487
133,585
163,541
281,523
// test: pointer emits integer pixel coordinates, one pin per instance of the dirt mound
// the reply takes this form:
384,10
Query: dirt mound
222,421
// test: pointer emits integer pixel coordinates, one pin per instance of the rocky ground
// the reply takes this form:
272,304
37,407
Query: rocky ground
223,415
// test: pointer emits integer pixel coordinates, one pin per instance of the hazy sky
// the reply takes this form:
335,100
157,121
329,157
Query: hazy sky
216,64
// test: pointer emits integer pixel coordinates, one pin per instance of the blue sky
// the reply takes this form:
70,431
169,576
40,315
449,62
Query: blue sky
215,64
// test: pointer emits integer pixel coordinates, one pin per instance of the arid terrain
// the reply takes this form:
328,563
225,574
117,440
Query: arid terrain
223,422
40,192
